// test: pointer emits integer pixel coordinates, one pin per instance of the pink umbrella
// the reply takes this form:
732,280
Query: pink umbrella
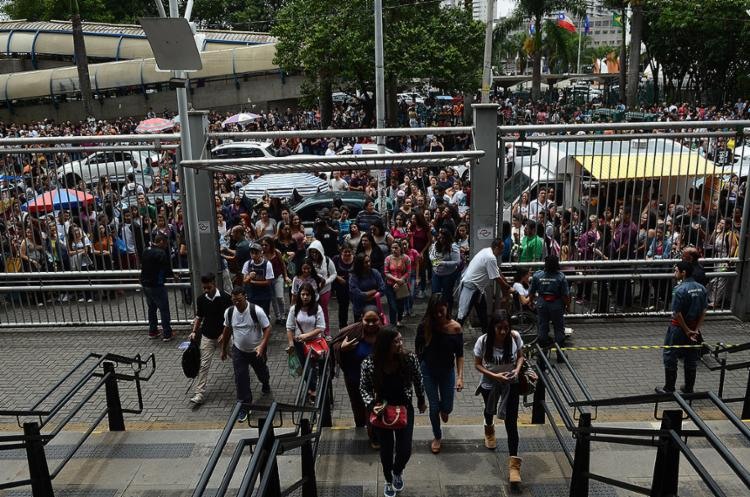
154,125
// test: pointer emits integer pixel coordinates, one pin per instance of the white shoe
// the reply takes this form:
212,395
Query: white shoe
568,331
90,300
65,298
197,399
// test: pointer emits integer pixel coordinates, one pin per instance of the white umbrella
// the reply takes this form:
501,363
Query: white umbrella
241,118
282,185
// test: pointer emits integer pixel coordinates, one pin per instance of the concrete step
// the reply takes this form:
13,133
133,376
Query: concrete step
169,464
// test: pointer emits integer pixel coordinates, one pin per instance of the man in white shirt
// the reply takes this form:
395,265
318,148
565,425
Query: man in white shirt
338,184
481,271
539,204
247,326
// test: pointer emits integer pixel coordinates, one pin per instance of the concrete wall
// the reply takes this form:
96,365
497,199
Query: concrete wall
256,94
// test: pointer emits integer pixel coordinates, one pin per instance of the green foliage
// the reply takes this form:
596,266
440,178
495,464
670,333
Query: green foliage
111,11
333,40
246,15
705,41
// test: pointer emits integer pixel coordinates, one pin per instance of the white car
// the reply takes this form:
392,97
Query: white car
524,154
243,150
115,165
367,149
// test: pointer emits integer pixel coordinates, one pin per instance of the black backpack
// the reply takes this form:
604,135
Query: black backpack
191,360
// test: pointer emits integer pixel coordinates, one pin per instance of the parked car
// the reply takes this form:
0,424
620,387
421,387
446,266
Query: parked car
243,150
114,165
308,209
367,149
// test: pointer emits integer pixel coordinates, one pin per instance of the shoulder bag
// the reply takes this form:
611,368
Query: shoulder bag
390,418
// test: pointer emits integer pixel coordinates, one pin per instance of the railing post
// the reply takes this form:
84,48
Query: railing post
326,418
538,415
114,406
667,466
41,483
274,485
310,486
722,376
579,481
746,403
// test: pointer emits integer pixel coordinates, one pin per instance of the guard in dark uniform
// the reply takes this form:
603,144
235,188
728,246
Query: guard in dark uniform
552,300
689,304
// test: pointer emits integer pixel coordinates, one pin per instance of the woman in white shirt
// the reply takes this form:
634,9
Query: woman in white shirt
305,323
521,287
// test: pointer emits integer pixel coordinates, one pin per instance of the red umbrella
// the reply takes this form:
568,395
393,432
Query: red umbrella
154,125
54,200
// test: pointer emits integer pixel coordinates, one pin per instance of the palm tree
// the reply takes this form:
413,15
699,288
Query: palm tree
634,63
536,11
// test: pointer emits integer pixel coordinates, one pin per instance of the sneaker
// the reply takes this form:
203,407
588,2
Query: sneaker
242,417
65,298
82,299
40,304
266,388
398,482
388,490
197,400
167,338
153,335
89,300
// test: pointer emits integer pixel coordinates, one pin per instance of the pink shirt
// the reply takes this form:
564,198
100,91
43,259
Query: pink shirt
397,269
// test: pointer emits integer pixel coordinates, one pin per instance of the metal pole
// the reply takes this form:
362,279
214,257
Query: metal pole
538,416
746,403
380,101
667,466
740,301
310,486
487,67
579,480
114,406
41,482
580,36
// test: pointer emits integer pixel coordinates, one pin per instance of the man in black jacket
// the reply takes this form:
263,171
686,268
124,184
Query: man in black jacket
155,268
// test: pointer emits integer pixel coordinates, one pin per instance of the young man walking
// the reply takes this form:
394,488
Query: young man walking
248,329
207,328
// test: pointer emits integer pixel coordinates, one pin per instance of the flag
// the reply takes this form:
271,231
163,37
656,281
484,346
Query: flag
616,20
586,25
565,22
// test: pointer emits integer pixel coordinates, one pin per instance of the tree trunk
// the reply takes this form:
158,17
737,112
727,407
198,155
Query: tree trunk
82,63
636,34
623,65
326,102
655,74
391,102
536,74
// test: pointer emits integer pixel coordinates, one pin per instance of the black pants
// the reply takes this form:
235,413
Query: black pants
511,416
395,446
342,297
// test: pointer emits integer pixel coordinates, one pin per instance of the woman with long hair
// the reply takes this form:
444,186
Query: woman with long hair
344,262
498,356
440,347
305,274
370,248
79,248
723,242
275,257
382,238
304,323
445,258
397,270
421,240
391,377
326,271
365,285
352,345
414,261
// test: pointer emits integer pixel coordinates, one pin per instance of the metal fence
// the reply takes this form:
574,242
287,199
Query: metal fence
679,184
62,261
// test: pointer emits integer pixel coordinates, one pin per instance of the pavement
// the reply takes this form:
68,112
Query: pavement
168,444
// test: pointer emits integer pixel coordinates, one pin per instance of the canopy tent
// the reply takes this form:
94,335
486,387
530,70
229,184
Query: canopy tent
283,185
624,167
58,199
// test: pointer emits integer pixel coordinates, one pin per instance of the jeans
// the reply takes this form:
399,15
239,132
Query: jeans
511,416
444,284
675,336
241,361
409,303
156,298
279,304
342,297
323,301
440,387
394,455
208,347
551,311
395,306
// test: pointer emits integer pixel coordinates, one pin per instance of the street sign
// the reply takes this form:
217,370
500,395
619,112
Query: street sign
173,43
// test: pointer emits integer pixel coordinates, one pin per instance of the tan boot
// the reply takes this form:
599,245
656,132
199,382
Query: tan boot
489,437
514,469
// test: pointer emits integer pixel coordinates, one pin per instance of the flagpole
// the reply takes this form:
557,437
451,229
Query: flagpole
578,66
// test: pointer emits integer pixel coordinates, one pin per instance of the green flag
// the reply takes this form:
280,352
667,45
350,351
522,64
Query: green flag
616,20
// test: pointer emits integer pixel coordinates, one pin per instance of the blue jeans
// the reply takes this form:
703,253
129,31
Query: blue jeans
395,306
156,298
551,311
444,284
440,388
675,336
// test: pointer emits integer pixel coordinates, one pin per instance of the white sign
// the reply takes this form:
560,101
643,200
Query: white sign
485,233
204,227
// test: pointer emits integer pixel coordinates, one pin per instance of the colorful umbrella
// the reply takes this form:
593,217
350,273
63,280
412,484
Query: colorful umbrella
241,118
154,125
54,200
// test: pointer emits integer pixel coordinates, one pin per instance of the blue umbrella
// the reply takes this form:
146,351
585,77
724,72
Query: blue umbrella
55,200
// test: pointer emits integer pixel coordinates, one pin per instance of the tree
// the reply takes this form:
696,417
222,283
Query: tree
536,11
332,42
621,7
247,15
82,60
634,63
111,11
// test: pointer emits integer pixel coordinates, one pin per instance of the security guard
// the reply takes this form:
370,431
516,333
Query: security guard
553,298
689,304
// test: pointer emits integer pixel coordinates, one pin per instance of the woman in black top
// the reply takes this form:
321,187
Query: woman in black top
388,376
344,263
368,246
440,346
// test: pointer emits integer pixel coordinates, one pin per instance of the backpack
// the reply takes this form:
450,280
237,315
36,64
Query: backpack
253,314
191,360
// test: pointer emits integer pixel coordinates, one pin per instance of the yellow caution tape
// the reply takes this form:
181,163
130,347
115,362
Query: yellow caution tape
633,347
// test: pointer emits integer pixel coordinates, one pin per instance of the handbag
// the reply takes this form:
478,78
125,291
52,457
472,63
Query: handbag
402,291
527,380
390,418
317,347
